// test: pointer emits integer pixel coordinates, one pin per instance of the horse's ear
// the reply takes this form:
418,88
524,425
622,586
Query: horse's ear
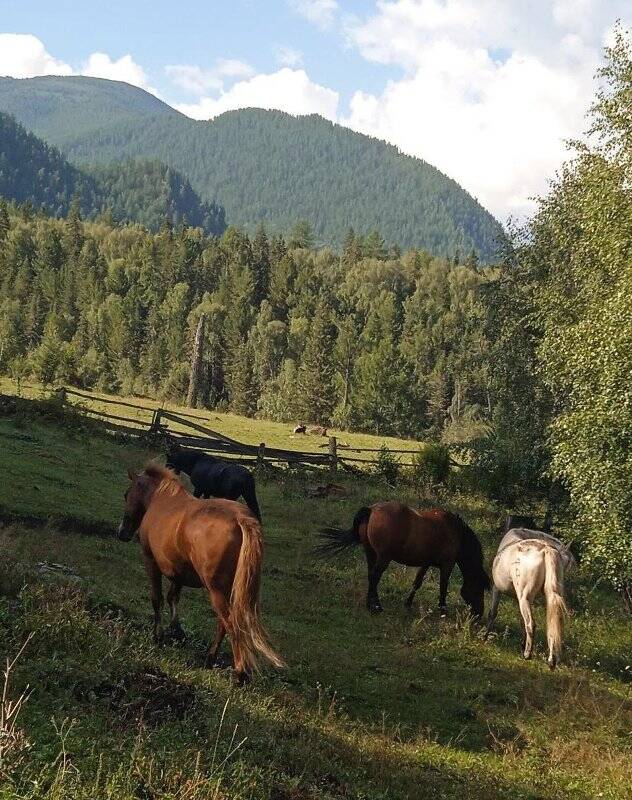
131,475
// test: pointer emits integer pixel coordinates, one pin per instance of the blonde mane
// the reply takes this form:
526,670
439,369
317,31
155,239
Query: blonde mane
168,482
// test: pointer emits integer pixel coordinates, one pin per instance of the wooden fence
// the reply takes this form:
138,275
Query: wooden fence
189,431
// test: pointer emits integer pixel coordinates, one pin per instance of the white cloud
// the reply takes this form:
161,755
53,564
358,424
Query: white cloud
196,80
100,65
320,12
286,90
24,56
496,124
288,56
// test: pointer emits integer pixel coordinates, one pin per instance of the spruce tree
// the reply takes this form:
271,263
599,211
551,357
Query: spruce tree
316,396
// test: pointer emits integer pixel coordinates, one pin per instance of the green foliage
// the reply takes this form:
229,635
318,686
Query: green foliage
386,466
288,168
582,244
430,465
290,334
141,191
562,312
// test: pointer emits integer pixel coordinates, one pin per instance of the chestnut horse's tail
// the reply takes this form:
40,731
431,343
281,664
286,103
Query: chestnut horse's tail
247,629
338,540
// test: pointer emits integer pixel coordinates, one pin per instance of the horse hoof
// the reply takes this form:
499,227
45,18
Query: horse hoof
552,663
376,609
241,678
443,613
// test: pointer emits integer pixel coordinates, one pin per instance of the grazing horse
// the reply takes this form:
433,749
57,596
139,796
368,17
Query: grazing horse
424,539
212,477
529,563
212,544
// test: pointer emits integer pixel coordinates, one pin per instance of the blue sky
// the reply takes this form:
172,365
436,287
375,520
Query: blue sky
486,90
161,32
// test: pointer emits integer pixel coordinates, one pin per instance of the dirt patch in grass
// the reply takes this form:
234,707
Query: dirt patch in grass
148,695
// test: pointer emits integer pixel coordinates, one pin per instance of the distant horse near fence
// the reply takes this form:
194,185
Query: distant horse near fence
212,477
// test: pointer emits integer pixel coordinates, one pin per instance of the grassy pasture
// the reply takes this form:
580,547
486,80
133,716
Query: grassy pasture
249,431
403,705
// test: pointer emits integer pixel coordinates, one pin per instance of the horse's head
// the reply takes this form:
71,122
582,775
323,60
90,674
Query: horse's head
174,457
519,521
473,592
136,498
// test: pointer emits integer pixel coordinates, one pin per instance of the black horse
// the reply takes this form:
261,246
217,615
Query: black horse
212,477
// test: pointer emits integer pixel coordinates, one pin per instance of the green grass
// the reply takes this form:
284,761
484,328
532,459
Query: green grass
403,705
249,431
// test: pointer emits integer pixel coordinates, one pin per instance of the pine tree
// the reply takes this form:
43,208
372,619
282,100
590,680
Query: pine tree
260,266
4,220
302,235
243,390
315,380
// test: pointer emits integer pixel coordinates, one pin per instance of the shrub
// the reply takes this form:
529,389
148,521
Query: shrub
387,466
431,465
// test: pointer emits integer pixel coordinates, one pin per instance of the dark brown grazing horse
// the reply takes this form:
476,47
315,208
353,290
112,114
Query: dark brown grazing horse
212,544
424,539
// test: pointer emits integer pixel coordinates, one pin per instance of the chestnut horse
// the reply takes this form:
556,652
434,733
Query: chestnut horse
212,544
424,539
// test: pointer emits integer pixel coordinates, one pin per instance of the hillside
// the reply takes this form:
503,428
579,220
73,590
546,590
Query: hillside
31,170
262,165
140,191
400,705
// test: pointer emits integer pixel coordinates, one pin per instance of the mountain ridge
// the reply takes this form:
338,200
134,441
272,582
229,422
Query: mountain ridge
142,191
262,166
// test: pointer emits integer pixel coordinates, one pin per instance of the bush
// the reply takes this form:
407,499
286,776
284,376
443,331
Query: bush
431,465
387,466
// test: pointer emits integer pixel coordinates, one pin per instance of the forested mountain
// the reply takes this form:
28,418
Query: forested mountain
263,166
145,192
31,170
150,193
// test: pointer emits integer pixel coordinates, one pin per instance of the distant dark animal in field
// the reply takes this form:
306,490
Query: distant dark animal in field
317,430
327,490
212,544
212,477
529,563
433,538
300,428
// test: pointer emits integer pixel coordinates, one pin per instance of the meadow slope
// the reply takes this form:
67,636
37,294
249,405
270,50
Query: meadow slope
404,705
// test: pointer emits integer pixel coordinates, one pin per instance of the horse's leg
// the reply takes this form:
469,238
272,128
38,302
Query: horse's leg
444,580
373,599
525,610
493,611
421,574
173,598
155,581
220,604
250,496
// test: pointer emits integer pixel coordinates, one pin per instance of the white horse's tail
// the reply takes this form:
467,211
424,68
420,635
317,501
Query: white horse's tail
555,604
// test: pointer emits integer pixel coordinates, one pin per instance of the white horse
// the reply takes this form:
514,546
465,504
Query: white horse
529,563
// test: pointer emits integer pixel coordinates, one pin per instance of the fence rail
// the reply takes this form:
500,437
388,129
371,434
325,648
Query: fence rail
193,434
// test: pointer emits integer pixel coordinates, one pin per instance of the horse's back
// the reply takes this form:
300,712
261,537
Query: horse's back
412,537
519,566
197,538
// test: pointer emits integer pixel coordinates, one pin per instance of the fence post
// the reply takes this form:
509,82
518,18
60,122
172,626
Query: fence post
333,455
155,421
261,455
